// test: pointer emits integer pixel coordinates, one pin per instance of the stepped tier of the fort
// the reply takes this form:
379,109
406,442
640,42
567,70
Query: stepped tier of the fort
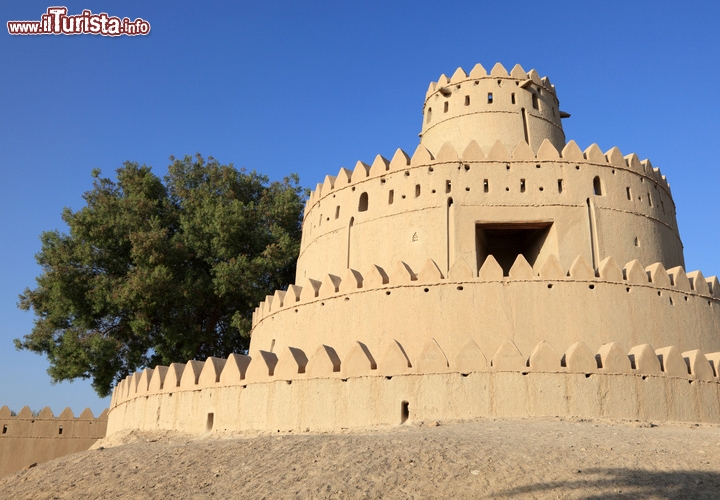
498,270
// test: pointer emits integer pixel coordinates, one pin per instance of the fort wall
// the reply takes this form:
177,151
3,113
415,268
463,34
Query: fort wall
635,305
413,208
27,439
291,393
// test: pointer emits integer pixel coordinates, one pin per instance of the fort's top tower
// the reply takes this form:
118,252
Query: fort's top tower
492,175
484,107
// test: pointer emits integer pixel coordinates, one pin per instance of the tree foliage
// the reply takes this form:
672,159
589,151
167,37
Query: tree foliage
156,272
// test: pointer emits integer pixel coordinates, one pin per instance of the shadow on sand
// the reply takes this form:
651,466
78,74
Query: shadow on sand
626,483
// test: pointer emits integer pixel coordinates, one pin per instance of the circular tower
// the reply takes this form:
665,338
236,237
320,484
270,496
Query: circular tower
492,176
498,270
486,108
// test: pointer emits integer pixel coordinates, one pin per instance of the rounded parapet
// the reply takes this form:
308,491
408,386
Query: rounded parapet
610,382
434,207
544,294
501,106
360,361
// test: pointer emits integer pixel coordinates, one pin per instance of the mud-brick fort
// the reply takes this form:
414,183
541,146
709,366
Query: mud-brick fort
498,270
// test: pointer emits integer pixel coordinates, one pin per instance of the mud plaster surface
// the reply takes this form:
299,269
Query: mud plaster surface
500,458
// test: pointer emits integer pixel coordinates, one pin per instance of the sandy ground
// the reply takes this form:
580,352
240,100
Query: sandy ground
499,458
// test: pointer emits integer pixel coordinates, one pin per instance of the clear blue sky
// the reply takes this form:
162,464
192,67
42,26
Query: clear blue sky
309,87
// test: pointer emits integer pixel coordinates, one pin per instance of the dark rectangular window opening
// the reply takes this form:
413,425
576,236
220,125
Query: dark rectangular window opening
628,193
337,211
404,411
467,100
60,430
522,185
560,185
505,241
490,98
486,185
417,190
4,429
391,197
210,421
445,109
512,97
448,186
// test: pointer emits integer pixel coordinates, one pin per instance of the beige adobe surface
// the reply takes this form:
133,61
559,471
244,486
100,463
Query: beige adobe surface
497,259
27,439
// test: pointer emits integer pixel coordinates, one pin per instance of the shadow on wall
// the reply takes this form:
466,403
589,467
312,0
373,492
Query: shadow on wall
627,483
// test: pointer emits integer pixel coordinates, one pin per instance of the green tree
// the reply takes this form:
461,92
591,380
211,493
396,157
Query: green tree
156,272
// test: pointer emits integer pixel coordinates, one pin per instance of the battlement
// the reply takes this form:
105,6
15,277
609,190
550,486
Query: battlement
321,288
430,205
423,158
531,78
292,391
500,106
324,362
26,438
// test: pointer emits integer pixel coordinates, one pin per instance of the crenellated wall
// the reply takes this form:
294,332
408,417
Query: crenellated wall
635,305
26,439
499,106
425,206
296,391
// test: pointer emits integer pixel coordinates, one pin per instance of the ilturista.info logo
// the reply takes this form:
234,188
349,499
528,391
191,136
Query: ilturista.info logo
56,21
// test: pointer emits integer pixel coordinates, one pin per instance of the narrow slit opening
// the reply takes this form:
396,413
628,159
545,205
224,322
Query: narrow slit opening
210,421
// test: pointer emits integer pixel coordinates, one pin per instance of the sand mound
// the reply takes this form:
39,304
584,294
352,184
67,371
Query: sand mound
551,458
